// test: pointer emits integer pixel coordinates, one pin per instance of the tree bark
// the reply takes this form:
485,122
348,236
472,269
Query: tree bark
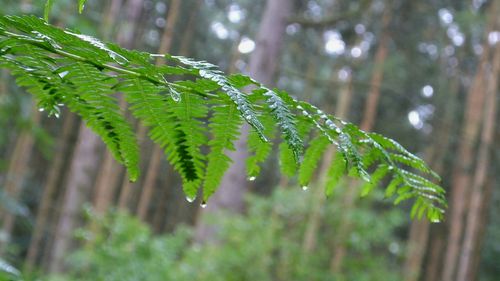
109,174
54,180
16,173
418,241
78,186
369,116
314,221
262,67
158,154
83,166
463,165
477,200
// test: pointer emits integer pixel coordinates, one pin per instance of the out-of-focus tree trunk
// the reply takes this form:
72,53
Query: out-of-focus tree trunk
78,186
371,104
84,164
157,155
109,174
314,221
54,180
469,249
182,208
465,159
262,67
16,173
367,122
419,229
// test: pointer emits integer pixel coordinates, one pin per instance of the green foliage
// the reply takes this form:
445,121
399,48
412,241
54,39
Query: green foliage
61,67
265,244
125,249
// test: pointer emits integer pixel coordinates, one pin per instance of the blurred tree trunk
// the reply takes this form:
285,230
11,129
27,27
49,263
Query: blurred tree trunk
314,221
54,180
157,155
464,164
469,249
78,185
16,174
84,163
369,116
182,208
147,189
262,67
109,174
435,155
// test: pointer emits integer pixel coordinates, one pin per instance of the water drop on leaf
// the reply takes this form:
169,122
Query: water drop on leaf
203,204
190,199
174,94
305,187
121,60
252,178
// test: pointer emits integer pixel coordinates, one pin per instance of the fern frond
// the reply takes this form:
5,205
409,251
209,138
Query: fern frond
405,156
99,108
312,156
65,67
224,124
376,177
210,72
335,173
288,165
159,113
257,149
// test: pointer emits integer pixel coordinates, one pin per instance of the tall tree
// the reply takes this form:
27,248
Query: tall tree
16,173
262,67
469,249
83,167
367,123
109,174
465,159
157,154
54,180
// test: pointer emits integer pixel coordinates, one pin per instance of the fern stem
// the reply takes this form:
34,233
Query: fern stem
40,44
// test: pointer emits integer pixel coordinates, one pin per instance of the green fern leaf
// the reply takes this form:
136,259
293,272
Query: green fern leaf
313,154
376,177
288,165
210,72
55,65
224,125
335,173
259,150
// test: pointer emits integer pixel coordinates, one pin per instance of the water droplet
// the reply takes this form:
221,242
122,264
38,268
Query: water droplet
62,74
305,187
203,204
252,178
41,109
175,95
190,199
434,220
118,58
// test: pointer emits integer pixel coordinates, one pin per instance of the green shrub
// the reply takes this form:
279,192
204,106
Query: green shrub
265,244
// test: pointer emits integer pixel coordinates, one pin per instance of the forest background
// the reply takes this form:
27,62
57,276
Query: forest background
422,72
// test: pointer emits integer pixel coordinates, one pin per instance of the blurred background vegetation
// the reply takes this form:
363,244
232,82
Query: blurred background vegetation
422,72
